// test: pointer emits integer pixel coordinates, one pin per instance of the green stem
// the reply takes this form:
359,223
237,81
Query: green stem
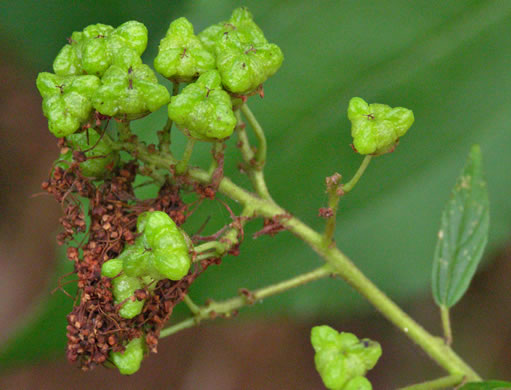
191,304
254,172
342,265
216,245
361,169
165,139
335,191
440,383
182,166
228,307
334,195
217,148
260,155
123,127
244,143
446,324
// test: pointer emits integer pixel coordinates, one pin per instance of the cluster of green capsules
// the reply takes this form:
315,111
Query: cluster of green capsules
342,359
101,70
159,252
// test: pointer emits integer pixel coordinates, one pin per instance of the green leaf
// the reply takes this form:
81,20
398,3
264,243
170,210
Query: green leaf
486,385
463,233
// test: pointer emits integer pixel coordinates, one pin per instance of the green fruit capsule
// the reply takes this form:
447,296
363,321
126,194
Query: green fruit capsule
244,57
129,88
95,49
342,359
171,263
181,55
376,128
128,362
66,101
167,255
97,150
203,110
245,66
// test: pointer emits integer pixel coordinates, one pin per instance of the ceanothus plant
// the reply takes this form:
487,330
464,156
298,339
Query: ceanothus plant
136,261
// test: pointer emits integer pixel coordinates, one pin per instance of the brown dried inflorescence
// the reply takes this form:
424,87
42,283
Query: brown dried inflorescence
95,327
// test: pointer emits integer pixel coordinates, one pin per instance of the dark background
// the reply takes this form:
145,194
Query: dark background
447,61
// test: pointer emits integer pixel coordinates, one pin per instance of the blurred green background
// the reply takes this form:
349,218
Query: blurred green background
447,61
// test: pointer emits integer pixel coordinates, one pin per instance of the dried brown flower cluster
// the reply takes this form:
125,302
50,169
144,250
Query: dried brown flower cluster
95,327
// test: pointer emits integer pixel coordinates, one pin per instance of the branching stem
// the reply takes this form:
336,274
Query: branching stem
257,205
229,307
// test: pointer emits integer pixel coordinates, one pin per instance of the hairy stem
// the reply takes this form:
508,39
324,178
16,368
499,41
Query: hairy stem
228,307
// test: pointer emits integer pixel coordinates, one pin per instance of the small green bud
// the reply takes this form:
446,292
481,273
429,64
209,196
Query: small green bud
341,358
128,362
358,383
131,34
171,263
242,22
203,110
181,55
376,128
323,337
123,289
111,268
129,88
66,101
133,259
332,369
97,150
